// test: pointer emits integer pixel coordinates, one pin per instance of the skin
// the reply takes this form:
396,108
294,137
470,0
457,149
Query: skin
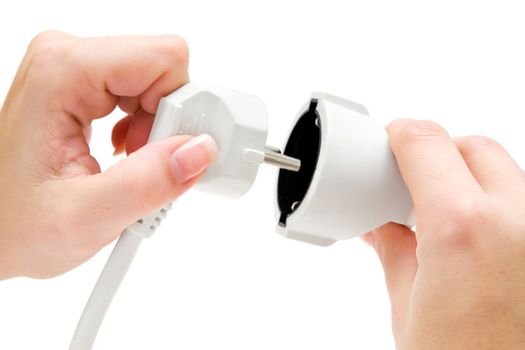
57,208
457,282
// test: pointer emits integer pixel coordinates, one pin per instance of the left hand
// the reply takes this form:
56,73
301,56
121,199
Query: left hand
57,208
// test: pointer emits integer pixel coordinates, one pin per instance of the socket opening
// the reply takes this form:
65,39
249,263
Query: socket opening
303,143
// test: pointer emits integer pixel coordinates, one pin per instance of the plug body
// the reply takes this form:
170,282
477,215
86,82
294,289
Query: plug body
237,122
349,182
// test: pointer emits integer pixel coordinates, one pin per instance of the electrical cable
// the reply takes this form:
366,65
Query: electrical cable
107,285
111,277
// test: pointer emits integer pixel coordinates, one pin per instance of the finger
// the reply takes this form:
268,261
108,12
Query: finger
90,73
139,130
490,163
129,105
119,134
143,182
396,247
430,163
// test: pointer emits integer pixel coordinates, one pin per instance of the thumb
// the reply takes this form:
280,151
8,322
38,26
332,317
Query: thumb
145,181
396,247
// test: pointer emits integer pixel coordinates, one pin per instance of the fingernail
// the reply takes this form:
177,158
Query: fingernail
192,158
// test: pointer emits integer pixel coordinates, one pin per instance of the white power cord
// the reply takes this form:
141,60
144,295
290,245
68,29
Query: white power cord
104,290
111,277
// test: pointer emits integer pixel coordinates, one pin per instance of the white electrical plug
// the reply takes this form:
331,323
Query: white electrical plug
239,125
237,122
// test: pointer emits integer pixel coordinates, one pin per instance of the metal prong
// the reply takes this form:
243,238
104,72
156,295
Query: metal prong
280,160
272,149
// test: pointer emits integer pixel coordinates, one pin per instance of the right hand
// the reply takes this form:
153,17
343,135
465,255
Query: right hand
458,282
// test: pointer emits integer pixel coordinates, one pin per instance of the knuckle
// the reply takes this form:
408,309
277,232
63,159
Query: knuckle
175,47
48,54
410,131
469,213
131,186
45,37
140,187
466,218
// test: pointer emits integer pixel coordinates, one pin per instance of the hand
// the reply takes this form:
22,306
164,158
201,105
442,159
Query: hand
459,281
57,208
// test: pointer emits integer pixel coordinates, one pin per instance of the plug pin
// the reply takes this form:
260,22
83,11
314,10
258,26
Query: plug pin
280,160
272,156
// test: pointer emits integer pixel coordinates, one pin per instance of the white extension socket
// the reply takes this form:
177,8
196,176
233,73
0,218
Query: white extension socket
349,182
338,176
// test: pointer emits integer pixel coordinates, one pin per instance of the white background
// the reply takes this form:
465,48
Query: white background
216,276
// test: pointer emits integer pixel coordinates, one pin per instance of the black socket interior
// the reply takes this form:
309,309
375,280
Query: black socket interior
304,143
